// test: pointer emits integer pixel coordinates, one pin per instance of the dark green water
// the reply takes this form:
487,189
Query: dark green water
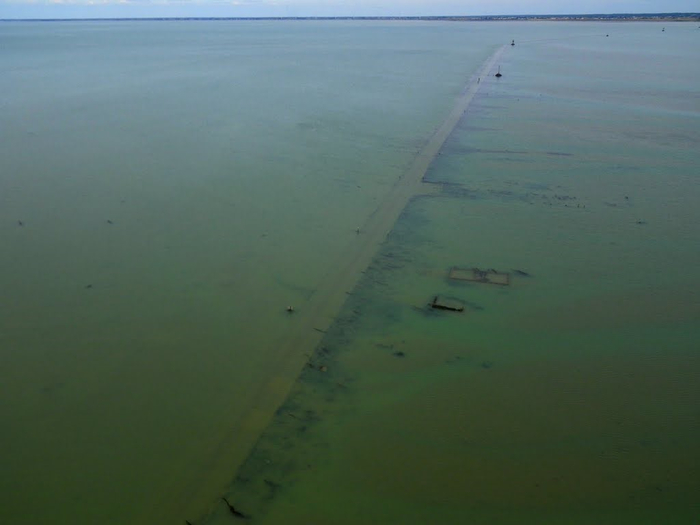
234,162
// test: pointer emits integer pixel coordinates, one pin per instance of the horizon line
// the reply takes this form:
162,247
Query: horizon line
684,15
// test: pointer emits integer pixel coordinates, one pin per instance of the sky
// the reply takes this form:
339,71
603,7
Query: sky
13,9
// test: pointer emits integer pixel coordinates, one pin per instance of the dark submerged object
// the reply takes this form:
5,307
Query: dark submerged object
438,305
234,511
498,75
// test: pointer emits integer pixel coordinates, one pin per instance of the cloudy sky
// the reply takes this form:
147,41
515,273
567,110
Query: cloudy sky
245,8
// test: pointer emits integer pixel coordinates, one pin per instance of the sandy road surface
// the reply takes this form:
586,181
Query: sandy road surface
314,317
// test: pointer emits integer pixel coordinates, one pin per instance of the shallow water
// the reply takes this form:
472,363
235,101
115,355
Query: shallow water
167,190
234,162
568,396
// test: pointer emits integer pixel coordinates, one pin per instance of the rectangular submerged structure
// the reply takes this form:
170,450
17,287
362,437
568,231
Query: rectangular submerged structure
490,276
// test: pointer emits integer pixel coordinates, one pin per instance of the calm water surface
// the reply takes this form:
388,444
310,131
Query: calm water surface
167,189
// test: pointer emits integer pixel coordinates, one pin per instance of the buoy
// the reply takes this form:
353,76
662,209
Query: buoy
290,309
498,75
512,42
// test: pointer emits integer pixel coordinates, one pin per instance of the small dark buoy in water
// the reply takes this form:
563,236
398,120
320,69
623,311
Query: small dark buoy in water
663,29
290,309
498,75
512,42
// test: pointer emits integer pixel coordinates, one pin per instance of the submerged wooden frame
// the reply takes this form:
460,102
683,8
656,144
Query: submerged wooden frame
477,275
441,303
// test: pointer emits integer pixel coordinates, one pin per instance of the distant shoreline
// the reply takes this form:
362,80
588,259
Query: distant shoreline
623,17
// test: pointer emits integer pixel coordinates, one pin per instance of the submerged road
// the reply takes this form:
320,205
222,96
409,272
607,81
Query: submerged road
320,311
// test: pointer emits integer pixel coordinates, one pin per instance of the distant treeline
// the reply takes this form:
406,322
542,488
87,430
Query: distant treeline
667,17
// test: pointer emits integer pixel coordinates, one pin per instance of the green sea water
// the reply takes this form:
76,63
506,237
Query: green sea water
167,189
569,396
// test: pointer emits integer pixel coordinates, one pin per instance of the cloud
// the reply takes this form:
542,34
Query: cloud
264,8
146,2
